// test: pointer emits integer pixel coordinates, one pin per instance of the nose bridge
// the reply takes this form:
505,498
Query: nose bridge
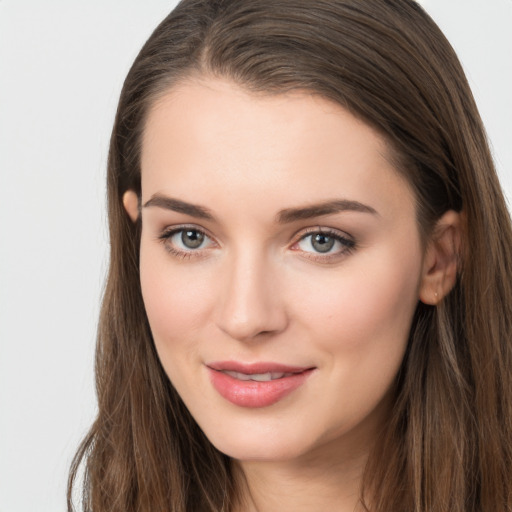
250,303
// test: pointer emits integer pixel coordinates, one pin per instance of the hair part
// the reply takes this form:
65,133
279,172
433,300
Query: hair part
448,442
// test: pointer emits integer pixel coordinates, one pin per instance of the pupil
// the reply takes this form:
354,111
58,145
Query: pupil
192,239
322,243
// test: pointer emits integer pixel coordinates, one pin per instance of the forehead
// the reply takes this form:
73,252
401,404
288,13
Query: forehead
211,137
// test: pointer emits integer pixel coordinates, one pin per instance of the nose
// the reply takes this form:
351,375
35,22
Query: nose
251,306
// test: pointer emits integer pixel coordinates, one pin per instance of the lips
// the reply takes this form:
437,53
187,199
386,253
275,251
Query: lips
256,385
259,377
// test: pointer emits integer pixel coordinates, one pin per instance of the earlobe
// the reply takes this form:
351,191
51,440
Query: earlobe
131,204
441,262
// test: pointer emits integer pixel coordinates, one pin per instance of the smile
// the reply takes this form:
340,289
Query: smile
259,377
256,385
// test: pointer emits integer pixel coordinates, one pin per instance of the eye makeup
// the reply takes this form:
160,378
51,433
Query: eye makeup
317,243
324,244
185,242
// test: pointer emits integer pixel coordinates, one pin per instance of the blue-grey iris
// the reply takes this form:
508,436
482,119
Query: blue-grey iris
322,243
191,238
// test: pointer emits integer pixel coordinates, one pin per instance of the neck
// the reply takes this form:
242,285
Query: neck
326,480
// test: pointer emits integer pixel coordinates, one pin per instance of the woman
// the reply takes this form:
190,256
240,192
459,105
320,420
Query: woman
308,305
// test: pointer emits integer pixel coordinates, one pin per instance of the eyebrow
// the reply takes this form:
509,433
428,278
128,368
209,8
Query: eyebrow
325,208
169,203
285,216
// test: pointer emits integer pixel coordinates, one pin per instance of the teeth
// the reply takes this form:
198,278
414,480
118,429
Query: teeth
259,377
264,377
236,375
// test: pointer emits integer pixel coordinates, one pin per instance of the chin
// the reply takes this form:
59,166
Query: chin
258,450
262,442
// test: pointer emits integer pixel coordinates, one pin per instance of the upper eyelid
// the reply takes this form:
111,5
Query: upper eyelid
167,232
171,230
300,232
322,229
343,238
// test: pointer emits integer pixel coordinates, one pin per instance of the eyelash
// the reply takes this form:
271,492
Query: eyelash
348,244
168,233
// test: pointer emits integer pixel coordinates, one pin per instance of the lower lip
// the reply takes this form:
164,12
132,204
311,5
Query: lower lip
251,393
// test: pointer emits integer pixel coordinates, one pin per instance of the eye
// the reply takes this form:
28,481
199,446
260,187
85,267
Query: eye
189,238
320,242
184,241
324,243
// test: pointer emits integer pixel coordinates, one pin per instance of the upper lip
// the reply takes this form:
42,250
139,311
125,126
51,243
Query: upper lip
256,368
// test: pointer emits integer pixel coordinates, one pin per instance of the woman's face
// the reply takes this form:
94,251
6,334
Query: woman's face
280,267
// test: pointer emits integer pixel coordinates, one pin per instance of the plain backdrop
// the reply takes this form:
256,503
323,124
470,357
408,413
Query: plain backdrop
62,64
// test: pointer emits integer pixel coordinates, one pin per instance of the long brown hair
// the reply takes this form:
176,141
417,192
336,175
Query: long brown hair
448,442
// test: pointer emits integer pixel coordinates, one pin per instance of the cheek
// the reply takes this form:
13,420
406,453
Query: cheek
368,304
359,323
176,302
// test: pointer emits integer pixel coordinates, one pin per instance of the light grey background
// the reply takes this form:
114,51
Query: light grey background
62,64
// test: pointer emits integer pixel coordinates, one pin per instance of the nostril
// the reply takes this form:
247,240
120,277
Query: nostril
250,305
257,325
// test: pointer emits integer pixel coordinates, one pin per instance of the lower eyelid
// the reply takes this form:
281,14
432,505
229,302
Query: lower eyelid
165,237
347,244
344,240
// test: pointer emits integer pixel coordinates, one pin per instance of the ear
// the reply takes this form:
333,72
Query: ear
131,204
441,259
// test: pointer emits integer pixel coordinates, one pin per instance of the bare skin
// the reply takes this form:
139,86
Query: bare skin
275,229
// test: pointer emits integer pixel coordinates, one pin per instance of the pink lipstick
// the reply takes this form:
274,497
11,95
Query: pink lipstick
258,384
